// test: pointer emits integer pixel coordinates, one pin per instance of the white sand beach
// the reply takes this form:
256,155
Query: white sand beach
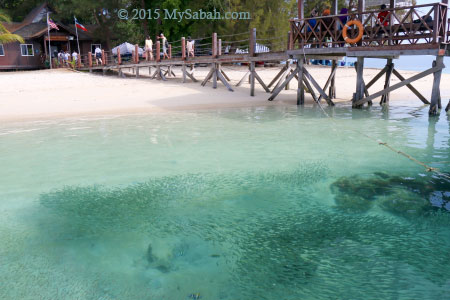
64,93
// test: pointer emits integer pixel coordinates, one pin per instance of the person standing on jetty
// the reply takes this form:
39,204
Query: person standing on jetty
190,47
149,47
383,16
98,55
165,45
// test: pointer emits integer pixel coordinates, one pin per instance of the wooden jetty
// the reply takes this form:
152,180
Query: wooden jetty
413,30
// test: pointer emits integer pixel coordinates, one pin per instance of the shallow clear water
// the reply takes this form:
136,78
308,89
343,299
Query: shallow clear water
251,203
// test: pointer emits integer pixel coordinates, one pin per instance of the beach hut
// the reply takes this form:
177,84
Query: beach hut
33,53
259,49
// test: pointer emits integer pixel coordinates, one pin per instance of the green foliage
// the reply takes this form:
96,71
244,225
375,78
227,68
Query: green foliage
5,35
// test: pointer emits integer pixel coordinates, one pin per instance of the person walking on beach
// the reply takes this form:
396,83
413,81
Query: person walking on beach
98,55
75,56
149,46
165,45
61,57
190,47
66,58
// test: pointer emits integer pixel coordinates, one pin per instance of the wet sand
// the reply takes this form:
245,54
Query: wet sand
63,93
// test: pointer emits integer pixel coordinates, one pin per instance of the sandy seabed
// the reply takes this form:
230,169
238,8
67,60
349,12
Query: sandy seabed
63,93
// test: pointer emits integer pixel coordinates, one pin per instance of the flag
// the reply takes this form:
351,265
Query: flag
78,25
52,24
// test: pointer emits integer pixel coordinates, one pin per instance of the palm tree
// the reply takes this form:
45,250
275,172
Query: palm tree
5,35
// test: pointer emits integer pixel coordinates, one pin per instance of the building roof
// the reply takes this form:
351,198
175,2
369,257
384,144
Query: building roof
30,18
34,26
31,30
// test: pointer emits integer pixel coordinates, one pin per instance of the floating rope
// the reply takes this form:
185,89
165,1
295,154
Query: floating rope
411,158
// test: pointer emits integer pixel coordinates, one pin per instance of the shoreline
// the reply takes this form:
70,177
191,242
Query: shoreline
62,94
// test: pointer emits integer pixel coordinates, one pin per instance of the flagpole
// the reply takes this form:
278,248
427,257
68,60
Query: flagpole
49,48
76,30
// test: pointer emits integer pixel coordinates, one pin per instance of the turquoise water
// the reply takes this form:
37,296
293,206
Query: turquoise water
251,203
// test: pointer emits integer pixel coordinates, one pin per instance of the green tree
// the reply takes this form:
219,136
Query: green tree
5,35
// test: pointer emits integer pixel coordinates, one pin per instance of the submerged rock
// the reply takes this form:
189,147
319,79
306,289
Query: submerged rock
405,203
350,203
405,196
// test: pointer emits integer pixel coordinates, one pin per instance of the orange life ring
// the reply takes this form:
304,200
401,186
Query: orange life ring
360,31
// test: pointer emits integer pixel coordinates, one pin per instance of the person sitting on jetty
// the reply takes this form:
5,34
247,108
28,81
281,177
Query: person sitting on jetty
190,47
165,45
383,16
98,55
149,46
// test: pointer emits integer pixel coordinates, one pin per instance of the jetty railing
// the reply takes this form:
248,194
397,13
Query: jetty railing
448,31
400,26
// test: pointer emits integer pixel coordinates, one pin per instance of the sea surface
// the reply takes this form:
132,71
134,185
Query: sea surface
231,204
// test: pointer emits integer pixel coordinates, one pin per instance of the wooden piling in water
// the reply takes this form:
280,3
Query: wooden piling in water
300,88
252,52
387,83
359,94
435,92
332,90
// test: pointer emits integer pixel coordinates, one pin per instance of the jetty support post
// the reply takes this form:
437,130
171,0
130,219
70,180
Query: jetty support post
332,89
158,51
119,57
158,73
300,9
359,81
103,57
252,50
300,87
136,53
183,58
436,92
90,61
387,83
290,44
214,55
214,45
212,73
